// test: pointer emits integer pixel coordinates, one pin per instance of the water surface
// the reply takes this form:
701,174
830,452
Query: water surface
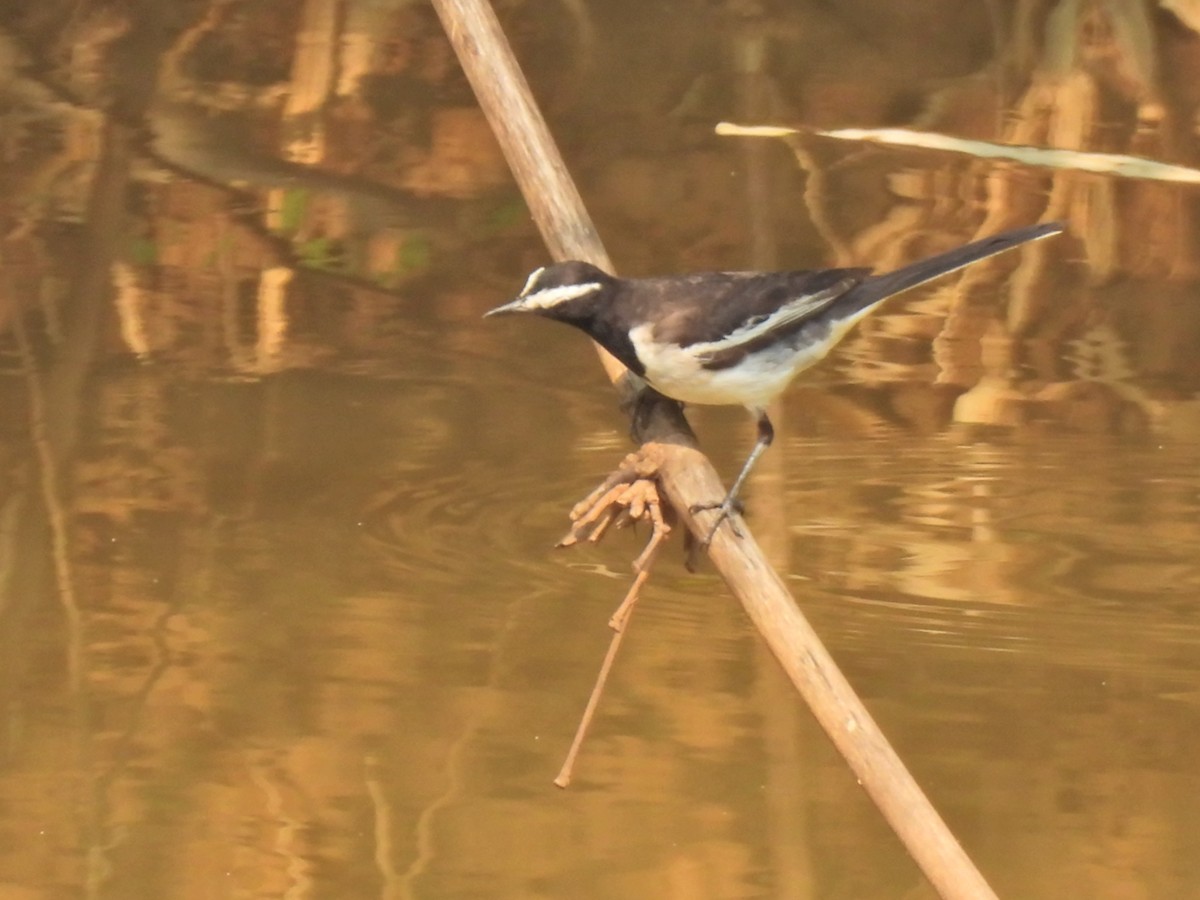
280,612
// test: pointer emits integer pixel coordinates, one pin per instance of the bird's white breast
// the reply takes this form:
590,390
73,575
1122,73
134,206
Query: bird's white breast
761,376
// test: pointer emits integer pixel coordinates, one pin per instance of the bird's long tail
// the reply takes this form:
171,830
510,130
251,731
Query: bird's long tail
879,287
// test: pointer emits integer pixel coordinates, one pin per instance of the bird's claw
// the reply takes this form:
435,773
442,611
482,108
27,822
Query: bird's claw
725,509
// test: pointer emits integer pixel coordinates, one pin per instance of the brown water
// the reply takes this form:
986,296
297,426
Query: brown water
279,610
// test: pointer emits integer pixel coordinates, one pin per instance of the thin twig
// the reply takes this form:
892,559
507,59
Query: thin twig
628,495
619,624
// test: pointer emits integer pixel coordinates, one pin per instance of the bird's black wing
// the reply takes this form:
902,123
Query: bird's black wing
727,310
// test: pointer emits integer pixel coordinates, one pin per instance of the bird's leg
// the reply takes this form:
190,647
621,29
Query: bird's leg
642,406
642,401
728,506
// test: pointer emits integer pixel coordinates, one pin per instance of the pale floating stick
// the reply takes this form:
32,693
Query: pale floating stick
1119,164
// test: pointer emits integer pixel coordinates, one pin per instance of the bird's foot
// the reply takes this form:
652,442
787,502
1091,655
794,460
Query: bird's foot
725,508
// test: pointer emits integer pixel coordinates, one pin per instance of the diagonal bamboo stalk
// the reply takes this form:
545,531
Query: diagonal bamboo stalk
688,478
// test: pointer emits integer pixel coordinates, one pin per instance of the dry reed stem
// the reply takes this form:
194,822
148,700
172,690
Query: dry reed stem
686,477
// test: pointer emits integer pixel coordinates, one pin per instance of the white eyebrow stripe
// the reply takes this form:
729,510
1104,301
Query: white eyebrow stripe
549,297
797,309
533,276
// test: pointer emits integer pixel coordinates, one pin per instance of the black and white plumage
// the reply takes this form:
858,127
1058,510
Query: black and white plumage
735,338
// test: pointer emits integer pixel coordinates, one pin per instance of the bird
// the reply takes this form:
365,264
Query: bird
732,338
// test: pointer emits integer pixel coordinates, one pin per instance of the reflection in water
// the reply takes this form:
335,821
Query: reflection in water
321,645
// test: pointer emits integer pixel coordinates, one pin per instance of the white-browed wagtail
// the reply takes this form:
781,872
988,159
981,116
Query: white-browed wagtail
730,338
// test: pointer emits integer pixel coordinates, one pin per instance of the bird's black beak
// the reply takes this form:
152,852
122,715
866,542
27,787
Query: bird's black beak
513,306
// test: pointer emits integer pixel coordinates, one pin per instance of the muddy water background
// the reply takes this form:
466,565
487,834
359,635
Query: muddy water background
278,611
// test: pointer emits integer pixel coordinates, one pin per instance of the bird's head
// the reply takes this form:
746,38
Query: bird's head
566,291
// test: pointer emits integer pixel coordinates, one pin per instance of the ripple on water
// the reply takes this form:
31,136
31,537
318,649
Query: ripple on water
444,527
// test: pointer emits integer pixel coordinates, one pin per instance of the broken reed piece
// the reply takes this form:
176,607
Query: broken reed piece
688,478
628,495
619,623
